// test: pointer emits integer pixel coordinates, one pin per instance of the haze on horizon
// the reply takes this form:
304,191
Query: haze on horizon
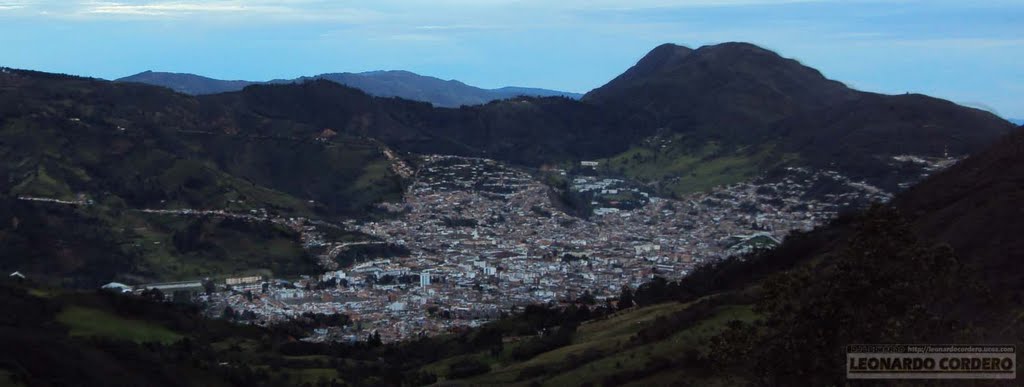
968,53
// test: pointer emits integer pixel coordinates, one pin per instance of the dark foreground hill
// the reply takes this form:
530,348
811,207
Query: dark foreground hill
403,84
975,207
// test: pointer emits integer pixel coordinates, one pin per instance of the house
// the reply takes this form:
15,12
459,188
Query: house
117,287
16,276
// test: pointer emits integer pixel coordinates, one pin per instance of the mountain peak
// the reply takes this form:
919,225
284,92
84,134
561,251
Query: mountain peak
659,59
727,86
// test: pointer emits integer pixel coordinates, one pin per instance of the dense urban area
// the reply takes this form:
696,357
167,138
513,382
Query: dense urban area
474,239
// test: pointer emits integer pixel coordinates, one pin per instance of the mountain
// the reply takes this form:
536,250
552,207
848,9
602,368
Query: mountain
724,87
401,84
741,105
186,83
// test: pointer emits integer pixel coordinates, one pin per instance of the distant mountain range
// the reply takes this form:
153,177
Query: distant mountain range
402,84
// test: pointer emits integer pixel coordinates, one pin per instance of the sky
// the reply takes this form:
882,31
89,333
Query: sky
970,52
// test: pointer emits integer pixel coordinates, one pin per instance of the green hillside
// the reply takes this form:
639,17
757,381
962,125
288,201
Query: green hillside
94,245
108,150
679,164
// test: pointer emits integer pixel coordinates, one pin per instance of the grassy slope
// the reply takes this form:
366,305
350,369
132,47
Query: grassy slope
602,348
89,322
675,165
78,338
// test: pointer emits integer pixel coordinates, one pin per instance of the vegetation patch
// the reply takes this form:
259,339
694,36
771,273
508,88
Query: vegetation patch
89,322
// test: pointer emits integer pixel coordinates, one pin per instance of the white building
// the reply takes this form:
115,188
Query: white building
117,287
425,279
641,249
339,275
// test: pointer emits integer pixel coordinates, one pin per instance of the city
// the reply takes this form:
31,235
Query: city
474,239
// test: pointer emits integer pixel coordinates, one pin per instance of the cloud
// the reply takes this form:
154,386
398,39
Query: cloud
250,11
458,27
169,8
947,43
13,5
426,11
416,38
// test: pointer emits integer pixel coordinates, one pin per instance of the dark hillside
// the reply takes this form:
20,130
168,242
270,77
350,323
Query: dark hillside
975,206
729,91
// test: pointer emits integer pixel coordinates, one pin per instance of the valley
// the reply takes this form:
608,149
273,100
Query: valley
705,203
476,240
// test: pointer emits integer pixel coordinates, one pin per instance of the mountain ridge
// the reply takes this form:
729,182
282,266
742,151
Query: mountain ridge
381,83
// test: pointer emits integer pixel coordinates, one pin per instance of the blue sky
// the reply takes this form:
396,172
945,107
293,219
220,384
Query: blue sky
970,52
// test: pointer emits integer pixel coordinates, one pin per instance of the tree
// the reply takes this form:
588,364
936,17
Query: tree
153,294
229,313
652,292
586,298
374,339
209,287
626,297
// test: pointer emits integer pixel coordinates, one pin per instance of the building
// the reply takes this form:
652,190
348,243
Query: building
117,287
647,248
243,280
589,164
338,275
425,279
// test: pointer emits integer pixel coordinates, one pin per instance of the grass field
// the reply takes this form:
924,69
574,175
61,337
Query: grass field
87,322
5,379
674,165
312,375
603,348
